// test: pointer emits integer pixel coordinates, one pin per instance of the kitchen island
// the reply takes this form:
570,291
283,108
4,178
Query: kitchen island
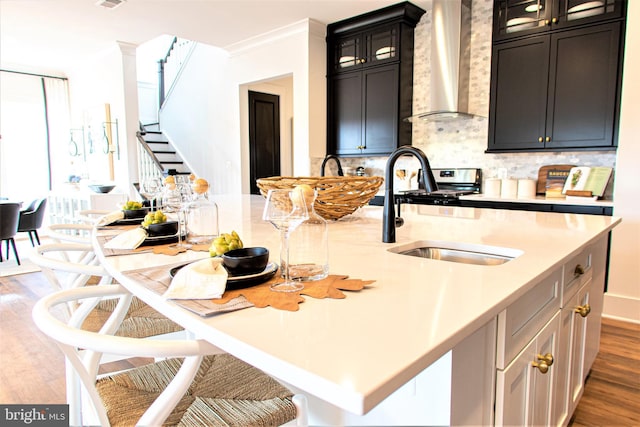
427,334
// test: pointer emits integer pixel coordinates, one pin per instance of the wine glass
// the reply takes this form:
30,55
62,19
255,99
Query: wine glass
151,188
285,209
176,199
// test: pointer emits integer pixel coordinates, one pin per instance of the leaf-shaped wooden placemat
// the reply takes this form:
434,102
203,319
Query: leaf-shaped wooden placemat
262,295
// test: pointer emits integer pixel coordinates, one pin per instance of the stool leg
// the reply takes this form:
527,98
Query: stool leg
37,237
15,252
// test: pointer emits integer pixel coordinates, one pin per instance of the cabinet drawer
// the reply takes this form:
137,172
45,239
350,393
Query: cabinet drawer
522,320
577,271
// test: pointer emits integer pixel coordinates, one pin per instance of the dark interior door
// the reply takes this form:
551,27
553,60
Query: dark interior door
264,137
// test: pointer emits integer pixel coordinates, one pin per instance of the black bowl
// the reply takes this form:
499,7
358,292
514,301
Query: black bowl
101,188
240,262
168,228
134,213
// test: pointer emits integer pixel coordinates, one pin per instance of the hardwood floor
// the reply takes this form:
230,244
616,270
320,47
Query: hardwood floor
33,367
612,390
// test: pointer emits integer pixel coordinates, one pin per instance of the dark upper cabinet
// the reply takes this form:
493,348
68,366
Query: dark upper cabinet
370,81
556,91
516,18
557,86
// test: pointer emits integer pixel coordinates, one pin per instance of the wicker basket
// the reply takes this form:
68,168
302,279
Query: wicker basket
337,195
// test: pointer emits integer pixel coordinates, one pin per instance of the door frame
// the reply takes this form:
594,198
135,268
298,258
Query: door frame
283,87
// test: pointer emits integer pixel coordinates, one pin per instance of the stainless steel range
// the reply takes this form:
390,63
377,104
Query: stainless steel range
452,183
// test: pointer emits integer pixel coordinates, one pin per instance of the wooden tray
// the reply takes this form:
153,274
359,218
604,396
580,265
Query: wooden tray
542,175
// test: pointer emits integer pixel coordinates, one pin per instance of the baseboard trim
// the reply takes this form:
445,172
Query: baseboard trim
621,307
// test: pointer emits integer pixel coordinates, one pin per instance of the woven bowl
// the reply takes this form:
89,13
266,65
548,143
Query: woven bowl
337,195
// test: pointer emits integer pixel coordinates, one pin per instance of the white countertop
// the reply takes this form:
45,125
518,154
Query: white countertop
580,201
356,351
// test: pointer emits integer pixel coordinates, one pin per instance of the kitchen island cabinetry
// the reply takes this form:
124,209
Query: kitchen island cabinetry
556,92
582,317
541,381
370,81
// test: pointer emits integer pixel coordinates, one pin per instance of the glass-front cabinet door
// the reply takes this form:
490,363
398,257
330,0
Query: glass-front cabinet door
570,12
366,49
347,53
518,17
513,18
382,45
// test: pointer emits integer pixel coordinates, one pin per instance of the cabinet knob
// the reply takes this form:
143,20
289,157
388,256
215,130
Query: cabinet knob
547,22
583,310
578,271
542,366
554,20
547,139
362,60
546,358
540,139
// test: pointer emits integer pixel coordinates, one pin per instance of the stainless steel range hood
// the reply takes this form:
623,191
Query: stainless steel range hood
450,62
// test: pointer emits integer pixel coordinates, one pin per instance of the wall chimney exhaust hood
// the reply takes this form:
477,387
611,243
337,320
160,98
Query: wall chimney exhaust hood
450,62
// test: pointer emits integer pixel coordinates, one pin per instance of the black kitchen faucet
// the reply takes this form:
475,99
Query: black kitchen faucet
388,212
324,162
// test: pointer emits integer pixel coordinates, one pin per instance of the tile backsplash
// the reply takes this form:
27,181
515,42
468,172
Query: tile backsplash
463,143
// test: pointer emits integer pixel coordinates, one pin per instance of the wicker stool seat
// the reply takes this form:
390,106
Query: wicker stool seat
74,265
141,321
193,384
225,392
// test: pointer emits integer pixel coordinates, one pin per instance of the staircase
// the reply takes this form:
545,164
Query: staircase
160,151
157,156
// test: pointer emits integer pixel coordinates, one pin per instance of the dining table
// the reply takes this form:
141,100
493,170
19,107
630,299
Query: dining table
380,353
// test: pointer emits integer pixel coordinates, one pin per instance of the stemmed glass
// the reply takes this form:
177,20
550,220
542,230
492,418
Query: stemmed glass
151,189
176,199
285,209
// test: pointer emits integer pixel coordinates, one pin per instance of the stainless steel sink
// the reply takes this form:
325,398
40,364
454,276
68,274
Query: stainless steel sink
458,252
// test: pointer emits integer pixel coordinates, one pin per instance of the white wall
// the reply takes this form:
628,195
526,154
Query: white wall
304,61
196,117
623,297
108,78
214,135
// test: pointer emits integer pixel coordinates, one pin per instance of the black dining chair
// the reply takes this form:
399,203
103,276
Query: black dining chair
9,215
31,219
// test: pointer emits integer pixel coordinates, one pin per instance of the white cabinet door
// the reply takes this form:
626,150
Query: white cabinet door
581,310
525,389
563,367
596,300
